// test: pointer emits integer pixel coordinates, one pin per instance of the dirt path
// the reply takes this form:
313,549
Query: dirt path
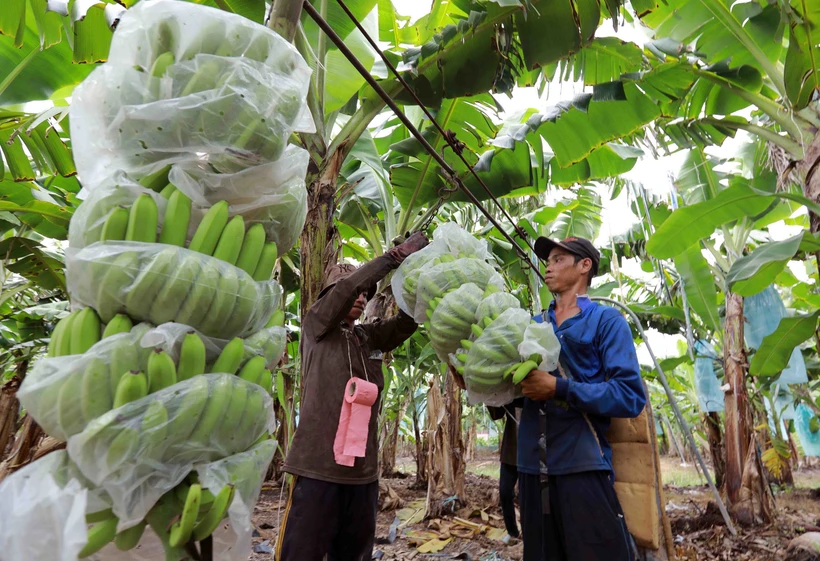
475,532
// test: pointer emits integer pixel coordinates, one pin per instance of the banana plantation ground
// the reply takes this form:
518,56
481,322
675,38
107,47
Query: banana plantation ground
476,532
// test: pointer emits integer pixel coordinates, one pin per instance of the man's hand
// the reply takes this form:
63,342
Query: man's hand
459,379
414,243
539,386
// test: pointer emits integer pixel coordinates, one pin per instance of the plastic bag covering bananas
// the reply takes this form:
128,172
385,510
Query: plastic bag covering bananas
185,83
161,283
489,364
436,281
149,444
452,317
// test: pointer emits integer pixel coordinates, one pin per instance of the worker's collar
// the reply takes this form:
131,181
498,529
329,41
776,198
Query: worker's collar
582,301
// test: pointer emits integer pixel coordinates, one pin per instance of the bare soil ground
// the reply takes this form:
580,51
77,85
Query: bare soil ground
475,532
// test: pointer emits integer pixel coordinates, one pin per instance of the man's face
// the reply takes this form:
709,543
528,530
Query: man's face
358,308
563,272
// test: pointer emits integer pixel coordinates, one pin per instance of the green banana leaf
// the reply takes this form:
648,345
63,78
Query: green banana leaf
583,221
699,284
603,60
802,66
29,259
754,272
697,180
776,349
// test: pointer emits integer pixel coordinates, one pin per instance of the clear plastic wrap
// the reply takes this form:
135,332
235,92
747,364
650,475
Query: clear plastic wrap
146,447
231,94
162,283
63,394
452,318
810,441
438,280
273,194
540,340
450,239
88,220
492,354
42,518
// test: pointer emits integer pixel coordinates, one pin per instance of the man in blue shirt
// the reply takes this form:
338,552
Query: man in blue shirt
569,509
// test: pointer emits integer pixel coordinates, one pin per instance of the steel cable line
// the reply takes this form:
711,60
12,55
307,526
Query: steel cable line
448,171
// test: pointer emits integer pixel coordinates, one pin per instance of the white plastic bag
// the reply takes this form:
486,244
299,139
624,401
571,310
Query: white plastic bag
143,449
63,394
232,95
438,280
495,304
491,355
88,220
162,283
272,194
540,340
452,319
42,518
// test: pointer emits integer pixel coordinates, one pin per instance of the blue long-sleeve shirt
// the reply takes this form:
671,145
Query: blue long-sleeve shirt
598,356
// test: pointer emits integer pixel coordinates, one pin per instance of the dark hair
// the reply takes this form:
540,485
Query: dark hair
578,259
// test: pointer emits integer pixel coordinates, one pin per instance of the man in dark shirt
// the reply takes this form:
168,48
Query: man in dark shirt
332,508
508,475
569,509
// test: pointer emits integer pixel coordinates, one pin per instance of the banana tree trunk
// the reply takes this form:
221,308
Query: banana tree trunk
749,497
714,433
445,482
421,447
24,448
9,413
390,439
809,170
284,429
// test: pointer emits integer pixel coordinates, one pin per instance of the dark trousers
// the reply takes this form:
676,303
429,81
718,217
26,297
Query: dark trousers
328,519
585,522
506,491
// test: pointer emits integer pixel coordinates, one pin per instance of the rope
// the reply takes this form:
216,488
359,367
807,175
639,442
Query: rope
448,171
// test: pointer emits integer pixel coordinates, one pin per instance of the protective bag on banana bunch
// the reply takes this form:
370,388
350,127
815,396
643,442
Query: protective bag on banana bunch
488,363
449,238
162,283
804,421
452,319
137,452
46,503
63,394
272,194
87,222
438,280
540,341
185,83
268,342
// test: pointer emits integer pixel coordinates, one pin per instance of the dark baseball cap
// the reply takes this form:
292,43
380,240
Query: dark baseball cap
576,246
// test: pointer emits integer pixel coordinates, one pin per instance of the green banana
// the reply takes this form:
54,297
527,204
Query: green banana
160,517
154,430
251,249
168,191
207,233
490,289
99,516
277,319
123,359
177,217
230,358
191,357
186,416
161,64
161,371
173,293
115,225
508,372
142,220
150,280
218,511
111,291
477,331
181,531
266,381
230,241
253,370
220,309
461,357
120,323
226,432
69,405
132,386
253,418
522,371
100,535
267,260
247,299
156,181
466,343
218,401
60,344
85,331
202,293
128,539
96,392
121,447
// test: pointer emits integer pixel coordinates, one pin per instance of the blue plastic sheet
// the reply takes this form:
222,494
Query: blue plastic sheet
810,441
707,385
763,313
